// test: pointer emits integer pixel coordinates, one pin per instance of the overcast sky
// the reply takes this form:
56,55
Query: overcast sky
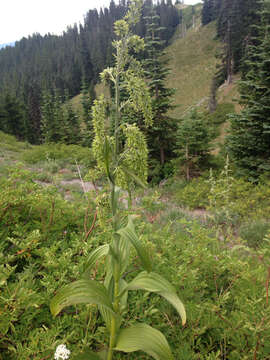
19,18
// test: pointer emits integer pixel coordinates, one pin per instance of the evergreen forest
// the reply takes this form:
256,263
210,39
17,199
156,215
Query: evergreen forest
135,185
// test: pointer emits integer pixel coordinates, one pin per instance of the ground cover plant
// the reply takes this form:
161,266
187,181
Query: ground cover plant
223,283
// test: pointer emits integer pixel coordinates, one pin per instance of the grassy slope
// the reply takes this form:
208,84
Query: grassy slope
193,64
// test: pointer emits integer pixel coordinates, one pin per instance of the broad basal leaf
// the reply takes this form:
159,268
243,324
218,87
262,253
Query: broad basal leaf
128,233
95,256
144,337
81,292
155,283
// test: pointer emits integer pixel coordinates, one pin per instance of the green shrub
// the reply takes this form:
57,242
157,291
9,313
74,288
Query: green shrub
9,142
223,289
52,152
254,232
223,285
194,195
40,234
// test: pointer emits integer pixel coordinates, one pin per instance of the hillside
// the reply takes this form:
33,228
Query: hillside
193,64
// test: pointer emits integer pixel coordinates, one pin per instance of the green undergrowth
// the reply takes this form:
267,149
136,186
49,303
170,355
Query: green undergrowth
60,152
222,281
9,142
244,198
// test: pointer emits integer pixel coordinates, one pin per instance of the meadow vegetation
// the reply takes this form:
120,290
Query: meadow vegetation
209,237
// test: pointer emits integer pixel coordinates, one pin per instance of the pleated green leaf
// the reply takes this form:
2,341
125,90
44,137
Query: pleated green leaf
115,194
81,292
144,337
107,315
124,252
129,234
95,256
155,283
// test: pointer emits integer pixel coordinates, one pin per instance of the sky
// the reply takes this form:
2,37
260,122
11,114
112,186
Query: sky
20,18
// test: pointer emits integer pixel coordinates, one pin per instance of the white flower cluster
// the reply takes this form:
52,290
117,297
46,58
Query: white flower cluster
61,353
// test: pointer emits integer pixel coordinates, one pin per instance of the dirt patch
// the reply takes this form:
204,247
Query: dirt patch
86,186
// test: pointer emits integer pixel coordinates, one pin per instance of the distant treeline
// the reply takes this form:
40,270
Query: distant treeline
48,63
236,27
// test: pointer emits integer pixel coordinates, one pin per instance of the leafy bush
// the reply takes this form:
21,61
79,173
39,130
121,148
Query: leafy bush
9,142
223,285
254,232
39,234
223,289
194,195
64,152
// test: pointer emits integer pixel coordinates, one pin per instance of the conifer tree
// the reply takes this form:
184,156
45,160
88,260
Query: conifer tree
33,103
52,119
13,117
161,137
193,143
208,12
71,124
88,97
249,141
234,23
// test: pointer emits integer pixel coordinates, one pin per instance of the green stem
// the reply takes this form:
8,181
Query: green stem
88,323
112,339
117,115
129,199
113,321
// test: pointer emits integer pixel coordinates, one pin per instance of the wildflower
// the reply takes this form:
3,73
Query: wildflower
61,353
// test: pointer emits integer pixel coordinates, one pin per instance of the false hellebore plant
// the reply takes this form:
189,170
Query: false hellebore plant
120,166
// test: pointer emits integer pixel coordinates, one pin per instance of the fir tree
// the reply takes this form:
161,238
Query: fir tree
52,119
193,143
208,12
249,141
71,124
161,136
88,97
13,117
33,104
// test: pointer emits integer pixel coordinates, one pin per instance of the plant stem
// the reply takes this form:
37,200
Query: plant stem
113,321
117,115
267,286
129,199
112,339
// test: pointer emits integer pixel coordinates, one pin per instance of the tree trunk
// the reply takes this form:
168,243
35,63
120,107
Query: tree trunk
187,164
229,59
212,106
162,156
